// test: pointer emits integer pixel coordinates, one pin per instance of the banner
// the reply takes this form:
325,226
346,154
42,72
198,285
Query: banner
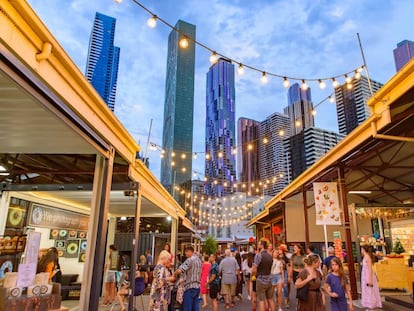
328,211
50,217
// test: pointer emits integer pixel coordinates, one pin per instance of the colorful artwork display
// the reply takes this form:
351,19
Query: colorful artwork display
328,211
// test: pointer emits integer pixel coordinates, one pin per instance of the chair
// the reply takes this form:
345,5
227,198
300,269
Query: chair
139,290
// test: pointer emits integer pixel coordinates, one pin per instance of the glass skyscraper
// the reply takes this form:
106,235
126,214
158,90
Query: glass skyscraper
103,58
177,138
351,104
403,53
220,168
299,109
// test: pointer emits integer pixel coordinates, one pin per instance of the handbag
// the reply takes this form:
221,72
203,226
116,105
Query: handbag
302,293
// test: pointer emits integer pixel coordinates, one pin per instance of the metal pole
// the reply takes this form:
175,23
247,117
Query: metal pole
148,141
365,65
134,255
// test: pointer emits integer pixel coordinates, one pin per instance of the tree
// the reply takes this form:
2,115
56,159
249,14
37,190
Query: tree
210,245
398,247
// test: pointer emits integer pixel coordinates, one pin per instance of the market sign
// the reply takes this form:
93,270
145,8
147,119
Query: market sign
50,217
328,211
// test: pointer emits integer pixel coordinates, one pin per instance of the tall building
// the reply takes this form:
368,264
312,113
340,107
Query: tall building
103,58
299,108
351,105
272,167
220,167
403,53
248,151
304,149
177,138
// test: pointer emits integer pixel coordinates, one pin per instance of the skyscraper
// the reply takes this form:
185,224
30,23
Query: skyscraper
304,149
220,168
272,167
351,105
177,138
103,58
403,53
248,151
299,109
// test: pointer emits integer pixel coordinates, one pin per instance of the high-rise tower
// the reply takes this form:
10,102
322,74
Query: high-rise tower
103,58
220,168
248,151
299,109
272,167
403,53
351,105
177,138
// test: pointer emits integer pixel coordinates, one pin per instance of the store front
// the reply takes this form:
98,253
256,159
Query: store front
372,167
68,168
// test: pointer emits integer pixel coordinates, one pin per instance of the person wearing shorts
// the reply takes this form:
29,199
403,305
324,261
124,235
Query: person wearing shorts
229,270
262,266
213,281
277,277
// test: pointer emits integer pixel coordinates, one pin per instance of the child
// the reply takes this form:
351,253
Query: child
336,286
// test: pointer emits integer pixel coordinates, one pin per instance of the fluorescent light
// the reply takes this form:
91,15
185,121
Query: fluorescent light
2,168
4,174
359,192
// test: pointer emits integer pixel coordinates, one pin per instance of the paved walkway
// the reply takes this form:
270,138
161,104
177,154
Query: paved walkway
243,305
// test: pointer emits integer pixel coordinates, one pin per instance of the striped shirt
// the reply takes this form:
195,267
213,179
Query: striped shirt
192,272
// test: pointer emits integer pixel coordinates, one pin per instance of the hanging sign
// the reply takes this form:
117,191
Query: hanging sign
328,211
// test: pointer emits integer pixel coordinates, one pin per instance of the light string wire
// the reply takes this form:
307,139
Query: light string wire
263,72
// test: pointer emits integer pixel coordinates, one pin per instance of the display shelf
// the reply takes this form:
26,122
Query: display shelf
406,236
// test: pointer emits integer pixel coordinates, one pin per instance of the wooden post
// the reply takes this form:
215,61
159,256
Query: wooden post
347,226
305,213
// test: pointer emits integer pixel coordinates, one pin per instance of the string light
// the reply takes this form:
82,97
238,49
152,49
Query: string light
322,84
184,42
264,77
304,85
357,75
152,21
286,82
348,79
335,83
331,99
240,70
214,57
349,86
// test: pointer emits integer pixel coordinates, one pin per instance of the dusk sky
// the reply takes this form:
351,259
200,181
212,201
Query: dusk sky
298,38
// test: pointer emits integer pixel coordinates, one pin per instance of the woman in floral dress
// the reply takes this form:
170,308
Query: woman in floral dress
160,287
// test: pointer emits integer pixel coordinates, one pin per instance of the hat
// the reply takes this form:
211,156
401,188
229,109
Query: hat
283,247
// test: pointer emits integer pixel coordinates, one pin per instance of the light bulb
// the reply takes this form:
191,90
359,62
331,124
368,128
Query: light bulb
207,156
286,82
265,140
322,84
152,22
264,78
183,156
250,147
240,70
173,154
348,79
360,69
118,1
331,99
195,156
297,123
335,83
304,86
357,75
220,154
184,42
314,112
213,58
281,133
349,86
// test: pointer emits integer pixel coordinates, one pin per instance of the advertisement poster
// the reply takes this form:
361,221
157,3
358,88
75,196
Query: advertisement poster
328,211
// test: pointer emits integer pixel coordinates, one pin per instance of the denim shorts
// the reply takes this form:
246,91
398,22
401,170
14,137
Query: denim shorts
276,279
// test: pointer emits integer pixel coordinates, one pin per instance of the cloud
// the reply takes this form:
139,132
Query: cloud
298,38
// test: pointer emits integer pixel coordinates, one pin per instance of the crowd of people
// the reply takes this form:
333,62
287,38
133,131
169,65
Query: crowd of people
268,273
